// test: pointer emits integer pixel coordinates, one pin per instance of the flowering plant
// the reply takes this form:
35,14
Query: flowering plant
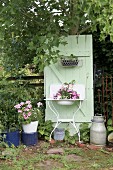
26,113
67,92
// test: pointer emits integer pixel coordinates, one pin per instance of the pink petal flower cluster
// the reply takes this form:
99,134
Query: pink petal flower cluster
26,112
25,109
66,92
18,106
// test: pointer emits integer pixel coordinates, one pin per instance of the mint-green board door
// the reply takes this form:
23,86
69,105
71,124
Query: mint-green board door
80,46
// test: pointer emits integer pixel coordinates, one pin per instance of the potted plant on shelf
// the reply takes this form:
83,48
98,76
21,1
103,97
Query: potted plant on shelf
28,116
66,95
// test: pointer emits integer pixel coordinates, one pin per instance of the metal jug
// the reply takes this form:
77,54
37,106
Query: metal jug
98,131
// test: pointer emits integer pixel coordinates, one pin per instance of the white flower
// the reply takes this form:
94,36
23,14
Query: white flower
39,104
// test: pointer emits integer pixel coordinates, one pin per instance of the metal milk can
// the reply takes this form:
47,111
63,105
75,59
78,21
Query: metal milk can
98,131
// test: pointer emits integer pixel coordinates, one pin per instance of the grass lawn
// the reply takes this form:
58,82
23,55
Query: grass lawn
57,156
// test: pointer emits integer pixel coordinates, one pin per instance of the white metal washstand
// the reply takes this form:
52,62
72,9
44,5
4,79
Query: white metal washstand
80,88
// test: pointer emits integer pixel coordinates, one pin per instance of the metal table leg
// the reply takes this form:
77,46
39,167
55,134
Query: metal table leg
59,121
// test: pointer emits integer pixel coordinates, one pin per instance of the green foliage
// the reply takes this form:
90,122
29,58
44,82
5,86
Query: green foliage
44,129
109,126
31,31
9,153
103,62
8,98
11,93
85,132
3,144
70,139
103,56
27,113
36,157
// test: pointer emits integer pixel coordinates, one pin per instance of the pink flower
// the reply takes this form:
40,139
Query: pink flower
29,106
74,93
22,103
29,114
28,102
69,90
65,85
74,97
78,95
59,97
18,106
66,92
71,86
25,116
26,109
58,94
19,111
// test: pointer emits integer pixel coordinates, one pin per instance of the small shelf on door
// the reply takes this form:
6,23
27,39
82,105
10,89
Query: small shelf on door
64,101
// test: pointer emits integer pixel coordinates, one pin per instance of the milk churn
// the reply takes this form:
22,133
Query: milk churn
98,131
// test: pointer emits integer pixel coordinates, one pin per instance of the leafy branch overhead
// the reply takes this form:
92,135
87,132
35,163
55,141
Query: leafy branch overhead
29,30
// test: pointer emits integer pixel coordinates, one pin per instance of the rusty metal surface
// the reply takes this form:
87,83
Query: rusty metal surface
105,97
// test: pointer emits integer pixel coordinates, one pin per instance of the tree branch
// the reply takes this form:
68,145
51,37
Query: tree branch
84,29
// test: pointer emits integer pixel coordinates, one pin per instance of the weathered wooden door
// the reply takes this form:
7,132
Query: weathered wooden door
81,47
